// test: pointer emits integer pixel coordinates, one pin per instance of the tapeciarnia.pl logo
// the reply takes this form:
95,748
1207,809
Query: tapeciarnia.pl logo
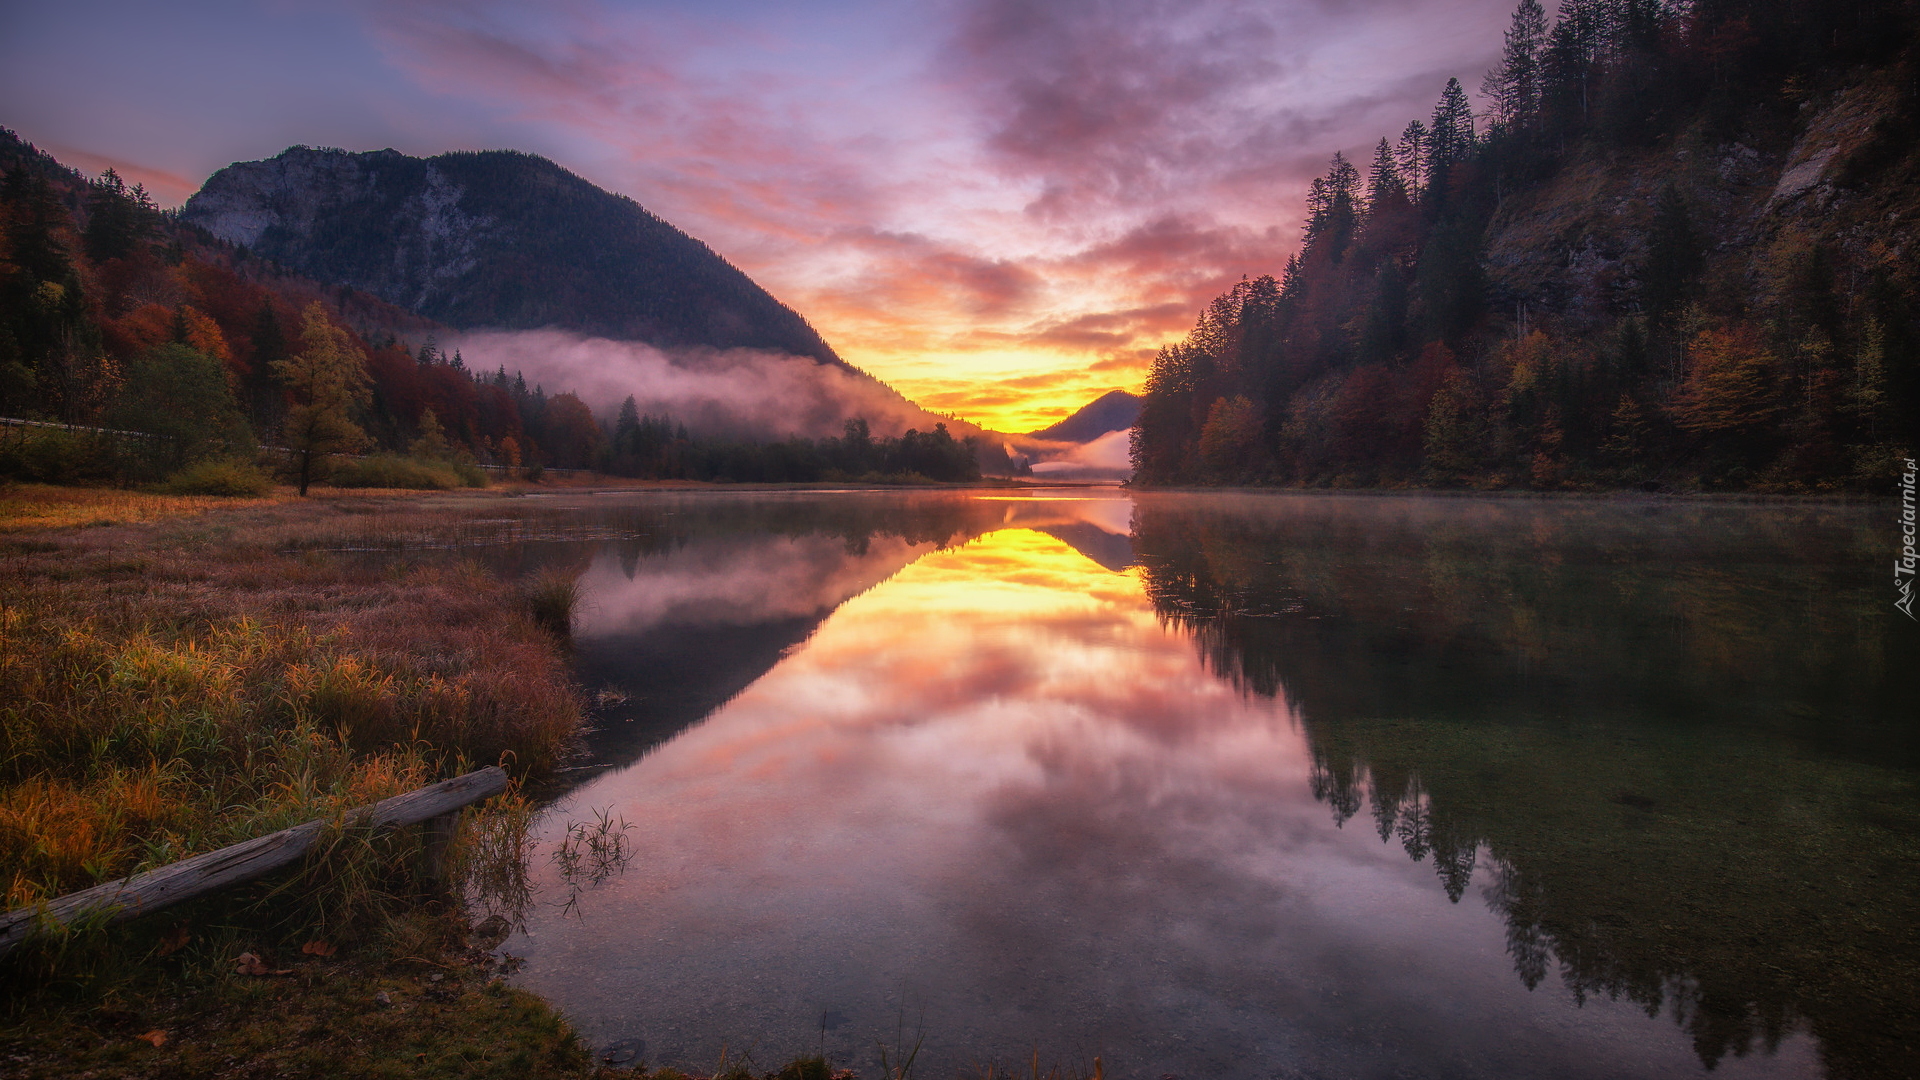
1904,565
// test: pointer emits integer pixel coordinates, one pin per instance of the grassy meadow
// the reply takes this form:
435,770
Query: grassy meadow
179,673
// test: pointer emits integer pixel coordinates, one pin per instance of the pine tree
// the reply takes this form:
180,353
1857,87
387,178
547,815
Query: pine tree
1412,154
1383,178
1514,86
1452,136
116,222
1573,53
626,429
1333,213
1392,226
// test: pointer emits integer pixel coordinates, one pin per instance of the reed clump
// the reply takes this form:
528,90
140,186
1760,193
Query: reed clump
551,597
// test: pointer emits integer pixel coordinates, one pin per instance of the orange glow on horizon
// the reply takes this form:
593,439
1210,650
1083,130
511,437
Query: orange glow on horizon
1007,393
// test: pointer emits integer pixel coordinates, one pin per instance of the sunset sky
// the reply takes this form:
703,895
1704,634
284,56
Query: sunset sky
1001,207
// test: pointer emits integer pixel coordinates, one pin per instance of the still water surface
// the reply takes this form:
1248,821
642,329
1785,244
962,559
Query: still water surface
1241,786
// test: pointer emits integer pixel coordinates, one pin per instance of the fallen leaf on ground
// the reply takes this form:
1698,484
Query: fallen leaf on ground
249,964
157,1037
175,941
317,948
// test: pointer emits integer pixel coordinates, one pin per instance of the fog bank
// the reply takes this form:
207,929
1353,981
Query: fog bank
739,392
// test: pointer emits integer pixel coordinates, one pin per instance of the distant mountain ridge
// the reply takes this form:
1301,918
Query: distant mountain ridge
495,239
1115,410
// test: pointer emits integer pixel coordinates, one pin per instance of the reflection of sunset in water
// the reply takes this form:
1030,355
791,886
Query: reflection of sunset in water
996,797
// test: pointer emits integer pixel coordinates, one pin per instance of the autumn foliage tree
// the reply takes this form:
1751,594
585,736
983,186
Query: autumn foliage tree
324,380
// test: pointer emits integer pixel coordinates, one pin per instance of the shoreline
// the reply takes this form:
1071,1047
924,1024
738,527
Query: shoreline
405,984
1618,495
274,683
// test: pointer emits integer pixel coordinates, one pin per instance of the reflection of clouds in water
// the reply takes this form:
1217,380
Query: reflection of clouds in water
998,787
1111,515
728,581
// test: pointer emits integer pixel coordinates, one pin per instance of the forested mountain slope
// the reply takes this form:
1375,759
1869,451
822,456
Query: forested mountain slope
1676,252
498,240
116,313
1115,410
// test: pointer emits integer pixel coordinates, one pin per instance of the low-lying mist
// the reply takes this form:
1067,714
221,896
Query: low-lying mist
1108,457
734,393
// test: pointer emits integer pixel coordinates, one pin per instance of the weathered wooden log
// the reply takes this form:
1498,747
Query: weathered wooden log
142,894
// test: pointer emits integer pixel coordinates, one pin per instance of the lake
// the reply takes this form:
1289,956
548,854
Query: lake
1238,785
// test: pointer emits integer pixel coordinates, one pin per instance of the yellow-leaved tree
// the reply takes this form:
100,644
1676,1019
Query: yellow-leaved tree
1729,384
326,378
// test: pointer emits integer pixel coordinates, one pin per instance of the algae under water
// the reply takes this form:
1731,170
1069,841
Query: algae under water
1225,785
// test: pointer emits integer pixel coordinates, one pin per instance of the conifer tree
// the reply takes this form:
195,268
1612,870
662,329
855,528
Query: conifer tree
1573,52
626,429
433,444
325,379
1383,178
1514,86
1412,155
1392,227
1333,214
117,220
1452,135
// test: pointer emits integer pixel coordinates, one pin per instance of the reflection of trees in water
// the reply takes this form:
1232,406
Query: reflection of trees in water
1669,745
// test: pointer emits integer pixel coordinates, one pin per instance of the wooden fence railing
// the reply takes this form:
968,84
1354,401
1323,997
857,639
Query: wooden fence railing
142,894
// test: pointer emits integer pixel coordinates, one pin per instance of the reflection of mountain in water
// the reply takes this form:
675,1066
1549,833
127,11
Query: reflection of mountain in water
707,595
1115,552
680,632
1668,739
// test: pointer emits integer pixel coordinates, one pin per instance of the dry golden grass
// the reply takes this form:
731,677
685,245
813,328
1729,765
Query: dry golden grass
30,507
181,683
39,506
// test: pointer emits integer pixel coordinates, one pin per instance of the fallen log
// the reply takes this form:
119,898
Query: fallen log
212,871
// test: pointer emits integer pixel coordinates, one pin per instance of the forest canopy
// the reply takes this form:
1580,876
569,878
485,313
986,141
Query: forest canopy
1605,279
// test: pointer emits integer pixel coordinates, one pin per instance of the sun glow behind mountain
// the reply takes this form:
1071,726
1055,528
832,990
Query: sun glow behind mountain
1002,209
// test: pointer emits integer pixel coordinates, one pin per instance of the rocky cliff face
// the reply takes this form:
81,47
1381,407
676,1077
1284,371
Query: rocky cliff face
1837,177
495,240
